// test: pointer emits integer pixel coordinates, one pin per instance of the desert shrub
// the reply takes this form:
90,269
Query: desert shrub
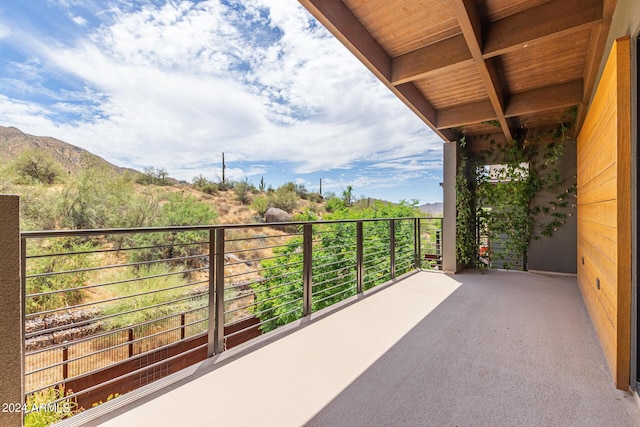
335,204
260,204
284,198
242,190
179,210
301,191
154,176
38,208
203,184
57,282
307,215
316,197
43,412
37,166
199,181
96,198
210,188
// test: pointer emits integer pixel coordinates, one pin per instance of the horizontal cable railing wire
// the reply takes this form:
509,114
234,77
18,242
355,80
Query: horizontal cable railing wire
102,302
430,230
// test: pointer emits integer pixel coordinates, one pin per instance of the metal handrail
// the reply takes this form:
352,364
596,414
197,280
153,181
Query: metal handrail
395,246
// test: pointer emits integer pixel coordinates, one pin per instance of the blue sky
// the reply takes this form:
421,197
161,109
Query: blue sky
173,84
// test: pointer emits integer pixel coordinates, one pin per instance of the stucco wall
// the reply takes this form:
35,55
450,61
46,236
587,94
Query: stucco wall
558,252
10,310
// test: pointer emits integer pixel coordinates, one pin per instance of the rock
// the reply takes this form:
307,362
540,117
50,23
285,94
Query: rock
232,258
277,215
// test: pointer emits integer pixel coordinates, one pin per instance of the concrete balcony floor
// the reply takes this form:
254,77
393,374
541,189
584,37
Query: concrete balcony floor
492,349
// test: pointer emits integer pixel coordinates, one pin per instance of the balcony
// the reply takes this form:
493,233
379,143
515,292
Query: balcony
492,348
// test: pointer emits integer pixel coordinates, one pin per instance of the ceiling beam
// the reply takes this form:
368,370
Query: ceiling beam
553,19
436,56
466,114
344,25
534,101
535,24
546,98
471,27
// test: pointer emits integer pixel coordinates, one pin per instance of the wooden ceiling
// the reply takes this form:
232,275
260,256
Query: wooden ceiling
485,67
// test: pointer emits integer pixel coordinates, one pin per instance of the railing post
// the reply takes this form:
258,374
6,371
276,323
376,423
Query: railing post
65,366
392,247
418,242
307,267
211,324
219,287
182,323
359,256
12,256
130,339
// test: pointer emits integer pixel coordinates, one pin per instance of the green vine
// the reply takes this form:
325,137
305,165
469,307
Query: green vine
465,218
506,199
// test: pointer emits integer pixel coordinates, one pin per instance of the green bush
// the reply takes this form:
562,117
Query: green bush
56,264
37,166
335,204
43,412
179,210
96,198
284,198
278,296
260,204
38,208
154,176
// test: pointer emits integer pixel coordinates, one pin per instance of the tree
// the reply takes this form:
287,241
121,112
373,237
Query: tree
38,165
278,297
347,195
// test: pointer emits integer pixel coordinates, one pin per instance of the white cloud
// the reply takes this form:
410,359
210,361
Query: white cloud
80,21
5,31
174,85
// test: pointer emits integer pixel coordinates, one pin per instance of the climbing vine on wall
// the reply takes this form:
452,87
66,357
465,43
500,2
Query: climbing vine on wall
505,199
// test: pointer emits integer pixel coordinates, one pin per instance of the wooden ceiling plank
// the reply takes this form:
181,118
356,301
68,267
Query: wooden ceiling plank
416,64
546,98
466,114
471,27
549,19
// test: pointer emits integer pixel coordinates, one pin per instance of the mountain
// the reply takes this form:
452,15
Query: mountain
13,141
432,208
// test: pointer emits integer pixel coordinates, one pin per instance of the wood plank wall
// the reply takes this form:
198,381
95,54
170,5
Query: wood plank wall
604,211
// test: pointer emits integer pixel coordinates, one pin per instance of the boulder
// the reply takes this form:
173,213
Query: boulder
277,215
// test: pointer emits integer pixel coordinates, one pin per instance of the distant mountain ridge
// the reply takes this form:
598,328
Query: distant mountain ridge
432,208
72,159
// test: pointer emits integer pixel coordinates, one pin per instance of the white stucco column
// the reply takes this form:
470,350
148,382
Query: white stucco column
450,165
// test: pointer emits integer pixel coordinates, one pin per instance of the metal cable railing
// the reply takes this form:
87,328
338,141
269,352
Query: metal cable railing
106,311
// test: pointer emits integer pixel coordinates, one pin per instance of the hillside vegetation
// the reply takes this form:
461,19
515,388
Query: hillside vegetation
64,187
